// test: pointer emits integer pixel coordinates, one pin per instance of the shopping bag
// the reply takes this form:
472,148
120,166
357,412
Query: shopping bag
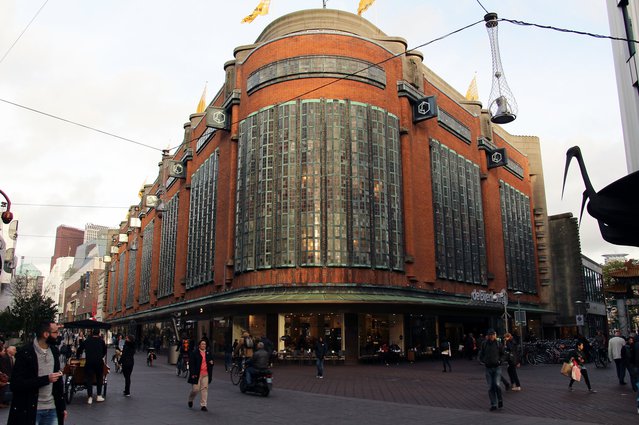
576,373
566,369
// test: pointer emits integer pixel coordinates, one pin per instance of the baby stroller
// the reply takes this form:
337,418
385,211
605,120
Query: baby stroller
150,356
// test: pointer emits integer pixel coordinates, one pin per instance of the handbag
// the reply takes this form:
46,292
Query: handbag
566,369
576,373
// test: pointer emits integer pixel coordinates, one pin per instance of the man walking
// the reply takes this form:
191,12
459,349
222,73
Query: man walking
95,351
615,346
492,355
36,383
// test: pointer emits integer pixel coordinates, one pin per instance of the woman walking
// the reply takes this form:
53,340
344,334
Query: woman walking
201,369
578,359
446,352
512,357
126,361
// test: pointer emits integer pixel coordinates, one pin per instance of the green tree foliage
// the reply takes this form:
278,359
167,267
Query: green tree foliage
9,324
609,267
613,266
30,307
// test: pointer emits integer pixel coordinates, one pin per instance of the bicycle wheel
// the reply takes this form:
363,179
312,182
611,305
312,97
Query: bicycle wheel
236,372
530,358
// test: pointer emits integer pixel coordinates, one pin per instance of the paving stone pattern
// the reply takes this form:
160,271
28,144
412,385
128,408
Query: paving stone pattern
360,394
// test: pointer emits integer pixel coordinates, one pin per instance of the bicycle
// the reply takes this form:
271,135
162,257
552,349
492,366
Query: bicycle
182,367
600,357
236,370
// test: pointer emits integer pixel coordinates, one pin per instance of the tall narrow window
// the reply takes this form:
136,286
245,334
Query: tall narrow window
113,283
167,248
337,160
360,185
130,280
201,245
310,190
460,251
287,179
147,260
521,271
120,294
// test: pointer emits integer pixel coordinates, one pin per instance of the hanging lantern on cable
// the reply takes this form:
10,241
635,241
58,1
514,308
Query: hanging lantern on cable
501,104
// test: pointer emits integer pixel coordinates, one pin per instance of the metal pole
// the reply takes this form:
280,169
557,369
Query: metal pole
521,336
506,316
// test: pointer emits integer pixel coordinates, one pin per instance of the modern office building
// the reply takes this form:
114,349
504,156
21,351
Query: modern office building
335,186
67,239
95,232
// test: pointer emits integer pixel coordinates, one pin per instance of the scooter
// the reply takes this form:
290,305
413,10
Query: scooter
262,382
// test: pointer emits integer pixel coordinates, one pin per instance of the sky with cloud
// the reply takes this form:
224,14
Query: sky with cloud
136,69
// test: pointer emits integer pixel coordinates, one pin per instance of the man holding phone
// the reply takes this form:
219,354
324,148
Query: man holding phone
36,382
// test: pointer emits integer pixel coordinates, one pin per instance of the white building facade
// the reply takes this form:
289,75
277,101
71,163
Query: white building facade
55,282
623,16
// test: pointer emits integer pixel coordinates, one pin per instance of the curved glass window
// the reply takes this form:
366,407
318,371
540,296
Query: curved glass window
319,184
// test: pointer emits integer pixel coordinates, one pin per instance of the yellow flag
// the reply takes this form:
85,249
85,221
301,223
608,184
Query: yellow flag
363,5
471,93
261,9
201,106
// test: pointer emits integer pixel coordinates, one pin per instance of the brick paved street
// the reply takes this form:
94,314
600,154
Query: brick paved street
355,394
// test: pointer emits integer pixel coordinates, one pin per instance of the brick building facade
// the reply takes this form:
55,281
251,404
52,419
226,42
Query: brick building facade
334,186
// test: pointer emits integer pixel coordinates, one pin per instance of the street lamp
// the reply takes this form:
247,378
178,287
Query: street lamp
519,321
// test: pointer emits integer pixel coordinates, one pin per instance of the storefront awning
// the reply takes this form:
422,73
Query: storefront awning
330,295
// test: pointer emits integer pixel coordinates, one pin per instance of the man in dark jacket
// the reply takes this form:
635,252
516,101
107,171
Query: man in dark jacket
95,350
492,355
36,382
258,362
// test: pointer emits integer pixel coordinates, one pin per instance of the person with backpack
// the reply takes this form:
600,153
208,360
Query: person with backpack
512,358
491,356
245,346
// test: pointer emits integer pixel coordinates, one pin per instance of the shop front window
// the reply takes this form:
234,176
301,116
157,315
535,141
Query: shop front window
301,332
380,330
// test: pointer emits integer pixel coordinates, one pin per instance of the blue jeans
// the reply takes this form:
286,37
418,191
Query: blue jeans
320,366
493,376
47,417
250,371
